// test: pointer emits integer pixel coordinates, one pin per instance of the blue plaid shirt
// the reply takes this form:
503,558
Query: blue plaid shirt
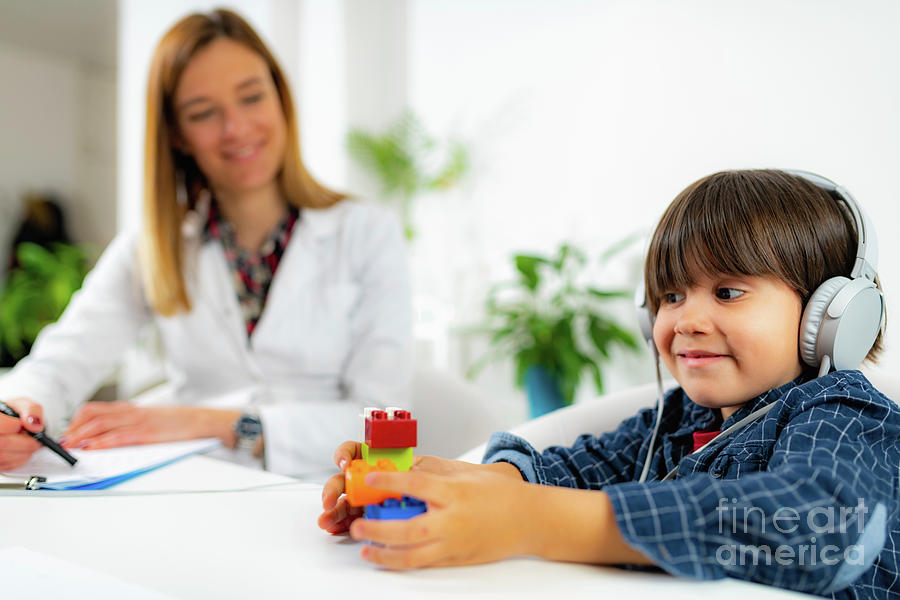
805,497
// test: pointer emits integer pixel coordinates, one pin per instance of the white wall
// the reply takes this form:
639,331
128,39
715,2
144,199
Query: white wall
588,118
57,118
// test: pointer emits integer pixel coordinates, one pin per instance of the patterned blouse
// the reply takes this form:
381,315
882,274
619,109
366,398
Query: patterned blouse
251,272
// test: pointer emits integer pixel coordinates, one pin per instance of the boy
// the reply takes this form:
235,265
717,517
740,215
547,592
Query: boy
802,493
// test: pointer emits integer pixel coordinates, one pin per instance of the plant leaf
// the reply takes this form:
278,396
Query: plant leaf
527,266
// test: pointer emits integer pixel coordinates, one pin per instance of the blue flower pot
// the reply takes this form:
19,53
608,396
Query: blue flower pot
543,391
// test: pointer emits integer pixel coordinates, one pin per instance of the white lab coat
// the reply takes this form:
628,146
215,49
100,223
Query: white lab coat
334,336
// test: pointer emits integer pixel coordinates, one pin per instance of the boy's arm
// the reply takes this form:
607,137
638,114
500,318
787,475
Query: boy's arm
592,462
577,526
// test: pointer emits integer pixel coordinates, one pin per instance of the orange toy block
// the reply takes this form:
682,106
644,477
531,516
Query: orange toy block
358,493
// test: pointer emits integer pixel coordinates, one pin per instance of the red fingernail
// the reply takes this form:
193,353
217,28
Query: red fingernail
35,420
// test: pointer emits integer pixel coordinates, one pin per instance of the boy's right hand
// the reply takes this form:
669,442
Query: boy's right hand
16,446
338,514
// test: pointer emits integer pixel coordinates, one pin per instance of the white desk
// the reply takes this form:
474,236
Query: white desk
265,544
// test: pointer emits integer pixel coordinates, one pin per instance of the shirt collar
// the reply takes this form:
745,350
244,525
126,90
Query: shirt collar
219,228
696,417
764,399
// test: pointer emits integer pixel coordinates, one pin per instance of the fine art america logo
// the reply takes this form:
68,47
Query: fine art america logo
818,521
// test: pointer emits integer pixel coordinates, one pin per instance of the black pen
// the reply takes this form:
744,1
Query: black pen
40,436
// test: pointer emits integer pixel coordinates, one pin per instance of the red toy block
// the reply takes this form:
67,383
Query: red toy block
394,428
358,493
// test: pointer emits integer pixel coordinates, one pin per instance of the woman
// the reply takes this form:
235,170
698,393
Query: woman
282,307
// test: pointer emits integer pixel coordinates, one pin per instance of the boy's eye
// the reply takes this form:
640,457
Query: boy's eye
725,293
672,297
253,99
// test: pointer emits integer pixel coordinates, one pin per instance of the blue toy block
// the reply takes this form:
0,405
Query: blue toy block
392,509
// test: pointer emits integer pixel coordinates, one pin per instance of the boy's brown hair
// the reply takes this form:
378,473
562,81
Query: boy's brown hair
756,223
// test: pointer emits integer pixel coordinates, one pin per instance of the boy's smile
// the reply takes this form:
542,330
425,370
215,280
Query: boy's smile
728,339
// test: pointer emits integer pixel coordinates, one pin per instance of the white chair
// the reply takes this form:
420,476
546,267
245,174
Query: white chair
603,414
562,426
454,415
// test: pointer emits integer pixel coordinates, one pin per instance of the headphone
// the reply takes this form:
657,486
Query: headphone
843,315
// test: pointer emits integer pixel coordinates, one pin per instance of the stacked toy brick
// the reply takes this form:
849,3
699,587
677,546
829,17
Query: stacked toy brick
389,439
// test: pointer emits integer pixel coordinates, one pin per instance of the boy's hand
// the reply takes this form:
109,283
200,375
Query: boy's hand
474,516
481,515
338,514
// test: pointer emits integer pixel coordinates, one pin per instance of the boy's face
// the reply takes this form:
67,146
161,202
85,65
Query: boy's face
730,338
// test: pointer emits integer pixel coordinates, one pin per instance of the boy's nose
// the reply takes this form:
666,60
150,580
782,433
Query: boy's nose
693,318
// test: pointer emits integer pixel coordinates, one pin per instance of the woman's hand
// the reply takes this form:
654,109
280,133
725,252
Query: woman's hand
16,446
99,425
338,514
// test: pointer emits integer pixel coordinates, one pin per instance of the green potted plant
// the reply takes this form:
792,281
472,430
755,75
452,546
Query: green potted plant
37,292
553,326
407,161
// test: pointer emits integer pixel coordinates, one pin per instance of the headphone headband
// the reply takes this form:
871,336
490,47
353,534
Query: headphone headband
866,263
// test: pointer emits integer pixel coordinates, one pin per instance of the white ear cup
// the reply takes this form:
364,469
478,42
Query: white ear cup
645,321
812,318
841,321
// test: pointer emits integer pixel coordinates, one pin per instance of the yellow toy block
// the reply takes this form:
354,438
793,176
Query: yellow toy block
401,457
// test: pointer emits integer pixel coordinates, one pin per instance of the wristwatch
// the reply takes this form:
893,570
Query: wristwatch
247,430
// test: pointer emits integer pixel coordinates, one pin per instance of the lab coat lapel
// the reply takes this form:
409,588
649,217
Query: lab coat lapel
302,262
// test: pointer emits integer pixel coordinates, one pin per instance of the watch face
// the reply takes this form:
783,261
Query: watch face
248,427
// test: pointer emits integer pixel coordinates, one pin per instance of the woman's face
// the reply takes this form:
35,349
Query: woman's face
230,118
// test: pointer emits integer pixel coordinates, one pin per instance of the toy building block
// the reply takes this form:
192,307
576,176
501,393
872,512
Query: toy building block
392,509
390,428
401,457
360,494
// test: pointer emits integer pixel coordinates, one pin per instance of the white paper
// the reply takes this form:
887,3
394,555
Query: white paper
98,465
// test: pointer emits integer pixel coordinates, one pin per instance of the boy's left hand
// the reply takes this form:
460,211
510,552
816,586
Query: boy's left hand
474,516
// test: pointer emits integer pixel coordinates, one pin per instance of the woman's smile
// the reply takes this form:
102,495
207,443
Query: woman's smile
245,153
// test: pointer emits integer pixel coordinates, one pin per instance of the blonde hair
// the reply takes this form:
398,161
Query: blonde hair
161,251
